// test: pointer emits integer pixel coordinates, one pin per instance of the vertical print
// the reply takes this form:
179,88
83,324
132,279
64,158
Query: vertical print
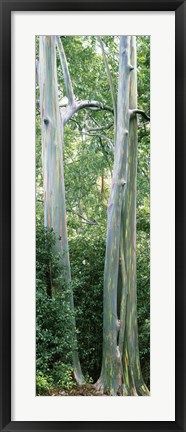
93,215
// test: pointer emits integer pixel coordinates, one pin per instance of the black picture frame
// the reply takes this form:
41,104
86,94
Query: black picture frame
6,7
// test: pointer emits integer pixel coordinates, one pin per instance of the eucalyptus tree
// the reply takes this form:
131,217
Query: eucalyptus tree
54,117
53,172
121,373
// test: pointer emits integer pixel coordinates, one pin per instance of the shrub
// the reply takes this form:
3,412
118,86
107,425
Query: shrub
43,384
54,341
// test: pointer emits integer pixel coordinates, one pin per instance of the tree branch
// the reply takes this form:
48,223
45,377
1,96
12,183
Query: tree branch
77,123
141,112
106,155
102,137
93,104
109,80
91,129
88,222
94,120
84,104
66,74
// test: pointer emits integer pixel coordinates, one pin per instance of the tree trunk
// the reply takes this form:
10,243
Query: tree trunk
133,383
121,373
53,171
111,367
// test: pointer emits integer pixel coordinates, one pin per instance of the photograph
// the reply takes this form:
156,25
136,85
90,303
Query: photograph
92,168
92,215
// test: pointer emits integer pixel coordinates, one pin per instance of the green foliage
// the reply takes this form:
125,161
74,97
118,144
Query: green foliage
87,253
54,340
143,67
43,384
63,376
143,295
53,332
143,207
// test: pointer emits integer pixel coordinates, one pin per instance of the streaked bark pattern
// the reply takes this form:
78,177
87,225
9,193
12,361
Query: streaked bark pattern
121,373
53,171
53,125
111,368
114,102
132,377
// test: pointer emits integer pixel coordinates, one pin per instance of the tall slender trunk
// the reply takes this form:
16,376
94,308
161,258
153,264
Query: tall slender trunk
111,367
121,373
53,171
133,383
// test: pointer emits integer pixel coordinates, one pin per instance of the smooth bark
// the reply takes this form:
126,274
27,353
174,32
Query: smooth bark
53,125
121,372
133,383
111,366
53,171
114,101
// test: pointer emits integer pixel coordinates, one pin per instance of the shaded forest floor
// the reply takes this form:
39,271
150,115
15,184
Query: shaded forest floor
77,390
84,390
